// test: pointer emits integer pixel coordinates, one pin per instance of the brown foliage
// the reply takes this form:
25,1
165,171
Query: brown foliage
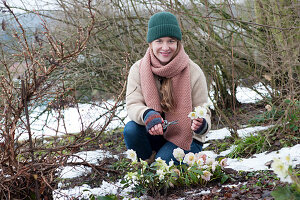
27,167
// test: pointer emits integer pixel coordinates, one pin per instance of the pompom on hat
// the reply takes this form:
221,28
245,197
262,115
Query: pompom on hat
163,24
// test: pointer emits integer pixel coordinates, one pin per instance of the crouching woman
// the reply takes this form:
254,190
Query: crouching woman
165,85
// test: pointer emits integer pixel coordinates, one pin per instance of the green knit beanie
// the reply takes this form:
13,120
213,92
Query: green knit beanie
163,24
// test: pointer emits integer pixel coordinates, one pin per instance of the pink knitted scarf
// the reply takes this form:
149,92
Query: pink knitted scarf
178,70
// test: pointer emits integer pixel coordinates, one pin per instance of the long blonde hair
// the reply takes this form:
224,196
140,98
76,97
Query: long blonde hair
167,101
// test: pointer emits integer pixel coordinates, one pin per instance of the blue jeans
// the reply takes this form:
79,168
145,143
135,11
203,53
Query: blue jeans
137,138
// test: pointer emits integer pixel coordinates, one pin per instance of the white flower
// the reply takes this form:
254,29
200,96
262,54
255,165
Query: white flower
144,165
201,155
200,111
208,104
200,162
161,174
171,163
213,166
287,159
205,166
223,162
189,158
179,154
206,175
161,177
131,154
131,177
278,166
287,179
209,161
281,169
161,163
192,115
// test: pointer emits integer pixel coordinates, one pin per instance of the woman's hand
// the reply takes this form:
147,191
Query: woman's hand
196,123
157,130
199,126
153,122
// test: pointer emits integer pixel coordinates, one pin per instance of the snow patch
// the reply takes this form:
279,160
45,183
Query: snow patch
84,191
257,161
224,132
92,157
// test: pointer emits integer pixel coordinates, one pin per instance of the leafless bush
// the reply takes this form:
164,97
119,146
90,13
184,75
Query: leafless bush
31,74
235,44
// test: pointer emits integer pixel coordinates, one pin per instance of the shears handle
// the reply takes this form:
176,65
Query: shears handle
166,124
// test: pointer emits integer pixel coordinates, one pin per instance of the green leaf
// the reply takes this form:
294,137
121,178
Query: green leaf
283,193
186,180
194,178
224,178
107,197
296,128
197,171
87,138
287,101
92,197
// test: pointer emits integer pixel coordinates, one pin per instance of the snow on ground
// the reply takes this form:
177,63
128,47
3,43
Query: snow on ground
84,191
74,120
247,95
87,113
77,119
256,162
92,157
224,132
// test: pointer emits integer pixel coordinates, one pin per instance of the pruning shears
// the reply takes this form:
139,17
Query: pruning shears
165,124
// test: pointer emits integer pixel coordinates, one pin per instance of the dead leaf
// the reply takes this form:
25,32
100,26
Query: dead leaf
268,164
228,195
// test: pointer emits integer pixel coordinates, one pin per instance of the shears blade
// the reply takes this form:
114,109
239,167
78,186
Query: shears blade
166,124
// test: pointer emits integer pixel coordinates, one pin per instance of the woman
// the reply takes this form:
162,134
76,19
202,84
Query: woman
165,85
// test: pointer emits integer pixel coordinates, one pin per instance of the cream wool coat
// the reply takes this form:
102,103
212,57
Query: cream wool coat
135,102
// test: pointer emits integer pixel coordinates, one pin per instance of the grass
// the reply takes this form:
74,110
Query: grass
267,116
284,134
220,145
246,147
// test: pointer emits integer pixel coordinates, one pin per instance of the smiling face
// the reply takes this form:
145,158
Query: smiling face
164,49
